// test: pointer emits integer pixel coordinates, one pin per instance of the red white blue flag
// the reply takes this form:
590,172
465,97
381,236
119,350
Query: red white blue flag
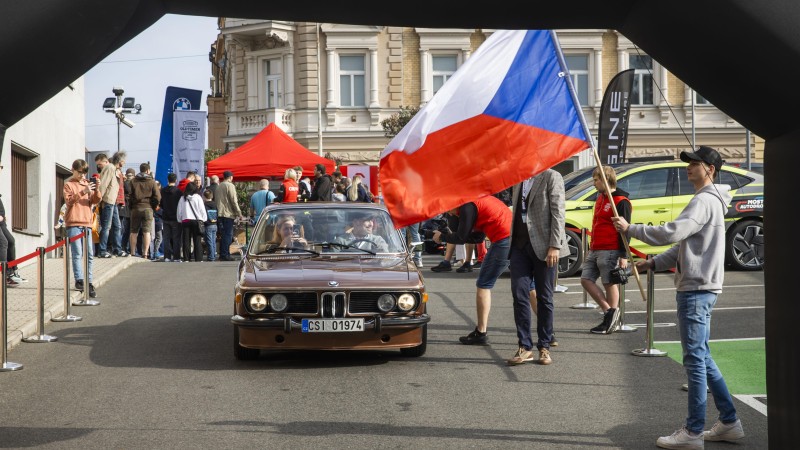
508,113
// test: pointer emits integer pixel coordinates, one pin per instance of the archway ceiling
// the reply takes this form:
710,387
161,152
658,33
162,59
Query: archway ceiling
743,56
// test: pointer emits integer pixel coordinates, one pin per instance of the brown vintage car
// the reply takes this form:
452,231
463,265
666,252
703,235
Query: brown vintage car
328,276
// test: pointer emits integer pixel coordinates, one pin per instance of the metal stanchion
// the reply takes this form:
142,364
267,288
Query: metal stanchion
7,366
67,317
585,248
87,237
622,328
40,336
649,350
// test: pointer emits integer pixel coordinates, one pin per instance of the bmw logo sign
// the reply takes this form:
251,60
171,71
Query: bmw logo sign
181,103
333,283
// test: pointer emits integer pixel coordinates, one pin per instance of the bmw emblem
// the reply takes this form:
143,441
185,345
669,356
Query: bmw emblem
333,283
181,104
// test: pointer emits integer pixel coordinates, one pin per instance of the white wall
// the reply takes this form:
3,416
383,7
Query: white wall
55,134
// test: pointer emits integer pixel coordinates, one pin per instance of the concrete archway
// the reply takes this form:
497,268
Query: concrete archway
754,44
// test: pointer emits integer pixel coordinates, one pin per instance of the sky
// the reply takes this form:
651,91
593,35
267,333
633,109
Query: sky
172,52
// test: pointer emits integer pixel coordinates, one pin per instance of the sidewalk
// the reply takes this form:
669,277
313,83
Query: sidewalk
23,302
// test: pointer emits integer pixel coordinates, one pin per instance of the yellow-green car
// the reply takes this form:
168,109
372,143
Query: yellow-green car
658,192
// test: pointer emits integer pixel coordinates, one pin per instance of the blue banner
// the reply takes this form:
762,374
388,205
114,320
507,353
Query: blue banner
175,99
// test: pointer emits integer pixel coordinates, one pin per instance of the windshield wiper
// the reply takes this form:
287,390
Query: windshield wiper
291,250
337,244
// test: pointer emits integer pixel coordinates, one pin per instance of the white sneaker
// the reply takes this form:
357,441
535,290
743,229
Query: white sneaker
724,432
681,439
16,277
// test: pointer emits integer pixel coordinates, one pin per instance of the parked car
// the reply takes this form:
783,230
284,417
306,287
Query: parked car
310,280
658,192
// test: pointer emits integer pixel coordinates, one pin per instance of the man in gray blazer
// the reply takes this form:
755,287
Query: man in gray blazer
538,241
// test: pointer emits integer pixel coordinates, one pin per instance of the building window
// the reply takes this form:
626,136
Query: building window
19,195
274,83
700,100
444,66
643,79
578,66
352,88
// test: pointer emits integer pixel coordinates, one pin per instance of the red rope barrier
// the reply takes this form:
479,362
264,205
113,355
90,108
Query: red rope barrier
55,246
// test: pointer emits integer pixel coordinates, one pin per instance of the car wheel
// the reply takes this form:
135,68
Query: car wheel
420,349
570,264
742,246
243,353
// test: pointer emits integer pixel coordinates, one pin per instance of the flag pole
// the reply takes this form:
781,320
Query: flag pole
596,157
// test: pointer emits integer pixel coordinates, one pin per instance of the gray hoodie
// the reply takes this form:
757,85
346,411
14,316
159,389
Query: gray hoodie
699,230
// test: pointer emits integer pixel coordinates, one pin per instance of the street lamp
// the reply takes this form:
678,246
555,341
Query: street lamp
119,106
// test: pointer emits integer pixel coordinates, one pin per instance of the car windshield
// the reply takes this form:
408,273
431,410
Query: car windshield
316,229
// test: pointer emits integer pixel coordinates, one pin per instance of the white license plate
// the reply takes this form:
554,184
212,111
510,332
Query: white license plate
332,325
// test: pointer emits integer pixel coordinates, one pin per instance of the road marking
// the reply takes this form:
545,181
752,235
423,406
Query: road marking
727,308
715,340
754,402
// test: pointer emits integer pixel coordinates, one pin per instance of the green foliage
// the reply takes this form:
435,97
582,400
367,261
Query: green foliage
396,122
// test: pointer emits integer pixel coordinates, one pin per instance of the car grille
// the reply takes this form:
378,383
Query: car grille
332,304
302,302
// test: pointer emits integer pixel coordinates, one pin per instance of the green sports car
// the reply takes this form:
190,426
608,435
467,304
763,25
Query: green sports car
658,192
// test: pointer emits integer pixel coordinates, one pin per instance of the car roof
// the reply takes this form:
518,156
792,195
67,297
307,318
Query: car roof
625,168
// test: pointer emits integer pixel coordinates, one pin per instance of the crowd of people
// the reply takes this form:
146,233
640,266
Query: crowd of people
133,215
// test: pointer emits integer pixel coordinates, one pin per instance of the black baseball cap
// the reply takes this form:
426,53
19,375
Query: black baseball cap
705,154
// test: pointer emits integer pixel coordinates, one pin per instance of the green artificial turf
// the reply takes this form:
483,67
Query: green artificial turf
743,363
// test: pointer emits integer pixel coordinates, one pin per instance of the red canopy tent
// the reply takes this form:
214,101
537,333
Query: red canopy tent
268,154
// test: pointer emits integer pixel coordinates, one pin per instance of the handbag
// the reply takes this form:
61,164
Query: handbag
201,226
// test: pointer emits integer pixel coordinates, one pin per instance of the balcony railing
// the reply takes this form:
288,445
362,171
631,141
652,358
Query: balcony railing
253,121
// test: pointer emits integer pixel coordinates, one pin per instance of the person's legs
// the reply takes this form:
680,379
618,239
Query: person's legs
521,270
115,236
187,241
227,237
694,316
545,278
76,252
146,244
106,212
211,242
198,243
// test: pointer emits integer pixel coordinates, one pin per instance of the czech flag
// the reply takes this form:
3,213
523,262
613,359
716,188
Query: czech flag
505,115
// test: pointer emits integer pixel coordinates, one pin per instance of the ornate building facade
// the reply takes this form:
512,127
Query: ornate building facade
329,86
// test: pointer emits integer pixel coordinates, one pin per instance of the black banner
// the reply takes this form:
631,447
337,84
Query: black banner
614,115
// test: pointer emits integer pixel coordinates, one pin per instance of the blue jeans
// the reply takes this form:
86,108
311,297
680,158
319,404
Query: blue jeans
226,236
76,250
526,267
413,231
109,223
211,241
694,322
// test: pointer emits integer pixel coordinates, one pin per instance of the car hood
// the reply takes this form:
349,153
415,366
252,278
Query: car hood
355,271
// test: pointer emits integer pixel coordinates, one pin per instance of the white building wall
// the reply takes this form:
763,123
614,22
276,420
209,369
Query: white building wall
55,135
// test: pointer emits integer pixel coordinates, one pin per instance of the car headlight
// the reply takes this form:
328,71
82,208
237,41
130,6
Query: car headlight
257,302
406,302
278,302
386,302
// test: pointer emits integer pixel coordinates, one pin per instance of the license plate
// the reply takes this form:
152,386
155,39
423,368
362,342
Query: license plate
332,325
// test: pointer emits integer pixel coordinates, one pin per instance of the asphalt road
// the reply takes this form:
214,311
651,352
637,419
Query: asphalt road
153,367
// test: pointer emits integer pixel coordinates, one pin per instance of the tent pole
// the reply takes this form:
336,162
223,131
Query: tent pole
319,96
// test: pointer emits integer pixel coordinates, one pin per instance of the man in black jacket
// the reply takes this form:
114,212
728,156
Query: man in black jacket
8,249
171,233
322,191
